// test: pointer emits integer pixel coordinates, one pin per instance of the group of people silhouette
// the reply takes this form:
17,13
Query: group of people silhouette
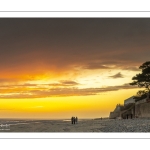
74,120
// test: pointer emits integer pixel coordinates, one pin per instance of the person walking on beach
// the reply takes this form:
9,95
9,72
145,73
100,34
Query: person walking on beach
72,120
76,120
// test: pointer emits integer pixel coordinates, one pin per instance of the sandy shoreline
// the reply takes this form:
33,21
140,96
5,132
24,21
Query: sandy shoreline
88,125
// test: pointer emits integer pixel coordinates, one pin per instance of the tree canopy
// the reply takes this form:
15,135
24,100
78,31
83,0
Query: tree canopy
142,80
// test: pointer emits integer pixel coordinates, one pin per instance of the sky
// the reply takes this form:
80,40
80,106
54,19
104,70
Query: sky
55,68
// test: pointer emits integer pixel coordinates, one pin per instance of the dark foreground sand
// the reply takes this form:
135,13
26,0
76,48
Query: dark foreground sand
106,125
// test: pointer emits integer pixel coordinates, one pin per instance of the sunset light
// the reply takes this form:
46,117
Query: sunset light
56,68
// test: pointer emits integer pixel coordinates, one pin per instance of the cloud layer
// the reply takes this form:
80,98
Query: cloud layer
29,46
53,90
32,48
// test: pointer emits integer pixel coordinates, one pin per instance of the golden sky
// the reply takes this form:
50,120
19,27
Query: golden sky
59,68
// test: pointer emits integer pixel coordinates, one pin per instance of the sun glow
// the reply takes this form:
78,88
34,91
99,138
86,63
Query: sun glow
28,98
59,67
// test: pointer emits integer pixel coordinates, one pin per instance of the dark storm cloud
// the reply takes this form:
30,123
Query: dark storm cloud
117,75
58,43
51,92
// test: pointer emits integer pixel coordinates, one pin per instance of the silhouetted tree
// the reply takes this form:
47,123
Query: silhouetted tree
140,95
142,80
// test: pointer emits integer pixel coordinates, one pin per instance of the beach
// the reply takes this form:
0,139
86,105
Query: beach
84,125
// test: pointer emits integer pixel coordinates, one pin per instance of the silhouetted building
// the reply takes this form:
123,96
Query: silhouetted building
129,100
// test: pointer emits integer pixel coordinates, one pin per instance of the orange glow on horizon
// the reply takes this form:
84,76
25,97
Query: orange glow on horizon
64,107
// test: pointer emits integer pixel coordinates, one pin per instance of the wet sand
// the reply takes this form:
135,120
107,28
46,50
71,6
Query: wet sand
89,125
